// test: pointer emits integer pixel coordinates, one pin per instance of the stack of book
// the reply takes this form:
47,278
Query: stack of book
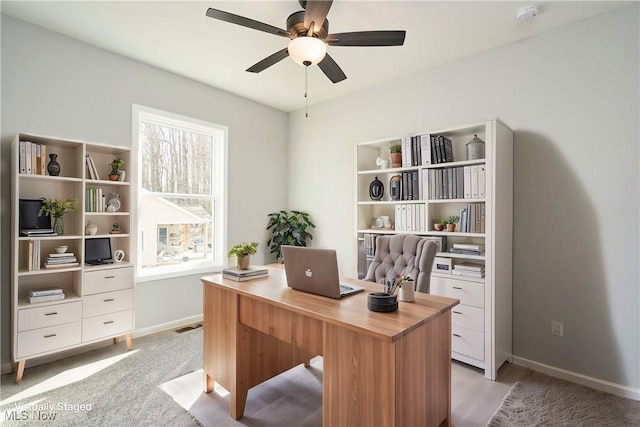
61,261
467,248
468,269
242,275
45,294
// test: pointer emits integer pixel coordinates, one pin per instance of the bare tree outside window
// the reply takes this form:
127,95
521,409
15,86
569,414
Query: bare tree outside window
179,192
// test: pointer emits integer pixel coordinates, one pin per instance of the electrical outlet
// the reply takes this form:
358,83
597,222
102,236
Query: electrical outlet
557,328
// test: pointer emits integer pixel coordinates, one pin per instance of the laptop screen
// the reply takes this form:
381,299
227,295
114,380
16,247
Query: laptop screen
98,251
28,215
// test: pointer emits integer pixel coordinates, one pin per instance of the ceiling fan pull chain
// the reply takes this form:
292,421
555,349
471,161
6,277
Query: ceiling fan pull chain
306,91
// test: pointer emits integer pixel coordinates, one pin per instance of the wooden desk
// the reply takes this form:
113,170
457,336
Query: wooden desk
382,369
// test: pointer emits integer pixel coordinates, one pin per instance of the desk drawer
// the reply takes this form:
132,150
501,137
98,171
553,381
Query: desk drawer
469,293
107,280
44,340
107,325
51,315
467,316
467,342
108,302
304,332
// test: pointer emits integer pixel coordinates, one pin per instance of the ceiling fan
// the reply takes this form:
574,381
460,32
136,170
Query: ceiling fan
308,31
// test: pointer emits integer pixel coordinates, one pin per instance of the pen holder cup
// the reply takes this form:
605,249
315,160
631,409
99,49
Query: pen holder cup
381,302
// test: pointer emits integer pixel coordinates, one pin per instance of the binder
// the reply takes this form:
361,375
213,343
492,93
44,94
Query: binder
22,161
43,159
474,181
467,182
481,180
425,149
27,156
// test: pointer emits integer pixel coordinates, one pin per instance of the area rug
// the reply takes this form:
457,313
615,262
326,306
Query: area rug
109,386
541,400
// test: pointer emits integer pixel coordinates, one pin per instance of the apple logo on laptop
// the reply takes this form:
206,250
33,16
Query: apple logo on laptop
308,272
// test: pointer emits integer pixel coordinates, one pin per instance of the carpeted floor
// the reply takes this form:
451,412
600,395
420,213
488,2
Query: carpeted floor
541,400
106,387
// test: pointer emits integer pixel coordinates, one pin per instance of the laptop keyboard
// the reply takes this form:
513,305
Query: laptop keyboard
345,288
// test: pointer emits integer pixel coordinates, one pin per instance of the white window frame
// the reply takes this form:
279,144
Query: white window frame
220,134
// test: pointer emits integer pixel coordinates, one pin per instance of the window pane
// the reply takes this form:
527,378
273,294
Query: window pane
175,160
184,230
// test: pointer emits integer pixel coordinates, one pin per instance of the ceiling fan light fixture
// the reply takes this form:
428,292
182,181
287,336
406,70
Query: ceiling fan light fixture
307,50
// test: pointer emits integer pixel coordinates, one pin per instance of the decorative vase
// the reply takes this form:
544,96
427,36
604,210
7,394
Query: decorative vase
376,189
91,229
243,262
58,225
53,167
396,160
395,187
475,148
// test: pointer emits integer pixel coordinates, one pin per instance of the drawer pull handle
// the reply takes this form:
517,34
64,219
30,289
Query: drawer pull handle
457,287
51,314
456,335
50,336
107,322
109,277
109,300
457,312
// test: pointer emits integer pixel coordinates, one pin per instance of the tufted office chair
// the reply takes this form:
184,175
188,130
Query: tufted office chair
404,254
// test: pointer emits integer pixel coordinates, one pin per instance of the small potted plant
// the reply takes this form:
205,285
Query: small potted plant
243,252
115,164
115,228
439,223
396,154
56,208
288,228
451,222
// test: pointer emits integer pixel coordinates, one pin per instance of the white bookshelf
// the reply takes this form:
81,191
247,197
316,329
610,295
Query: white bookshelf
482,323
98,301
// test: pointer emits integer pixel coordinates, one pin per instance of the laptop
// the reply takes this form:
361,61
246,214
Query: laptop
315,271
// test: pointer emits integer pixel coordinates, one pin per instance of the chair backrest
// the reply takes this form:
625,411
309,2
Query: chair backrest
404,254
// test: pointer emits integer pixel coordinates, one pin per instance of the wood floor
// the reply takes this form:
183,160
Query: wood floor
295,397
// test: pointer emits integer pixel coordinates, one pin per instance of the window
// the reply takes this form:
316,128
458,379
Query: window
181,194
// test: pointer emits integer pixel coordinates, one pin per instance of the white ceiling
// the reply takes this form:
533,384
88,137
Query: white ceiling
177,36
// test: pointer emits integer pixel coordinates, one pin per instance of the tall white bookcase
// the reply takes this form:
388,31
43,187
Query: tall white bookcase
482,322
99,300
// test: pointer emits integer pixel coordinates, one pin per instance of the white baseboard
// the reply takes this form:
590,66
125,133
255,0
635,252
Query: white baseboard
8,367
606,386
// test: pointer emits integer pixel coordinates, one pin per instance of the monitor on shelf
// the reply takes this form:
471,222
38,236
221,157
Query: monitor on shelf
98,251
29,218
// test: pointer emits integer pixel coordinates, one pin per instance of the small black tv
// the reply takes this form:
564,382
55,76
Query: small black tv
98,251
28,215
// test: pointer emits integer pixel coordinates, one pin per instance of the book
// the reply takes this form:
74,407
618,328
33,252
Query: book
62,255
252,271
469,266
45,298
472,246
38,292
66,265
465,251
465,273
52,261
243,278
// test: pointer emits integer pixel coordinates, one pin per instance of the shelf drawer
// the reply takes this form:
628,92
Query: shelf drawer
469,293
108,302
107,325
43,340
112,279
468,317
51,315
467,342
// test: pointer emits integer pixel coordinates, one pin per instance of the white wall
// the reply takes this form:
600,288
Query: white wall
54,85
571,96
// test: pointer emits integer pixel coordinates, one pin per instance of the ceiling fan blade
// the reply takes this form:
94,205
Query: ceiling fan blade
316,11
331,69
367,38
269,61
246,22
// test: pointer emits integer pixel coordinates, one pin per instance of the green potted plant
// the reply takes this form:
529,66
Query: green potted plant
396,154
115,164
439,223
243,252
451,222
288,228
56,208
